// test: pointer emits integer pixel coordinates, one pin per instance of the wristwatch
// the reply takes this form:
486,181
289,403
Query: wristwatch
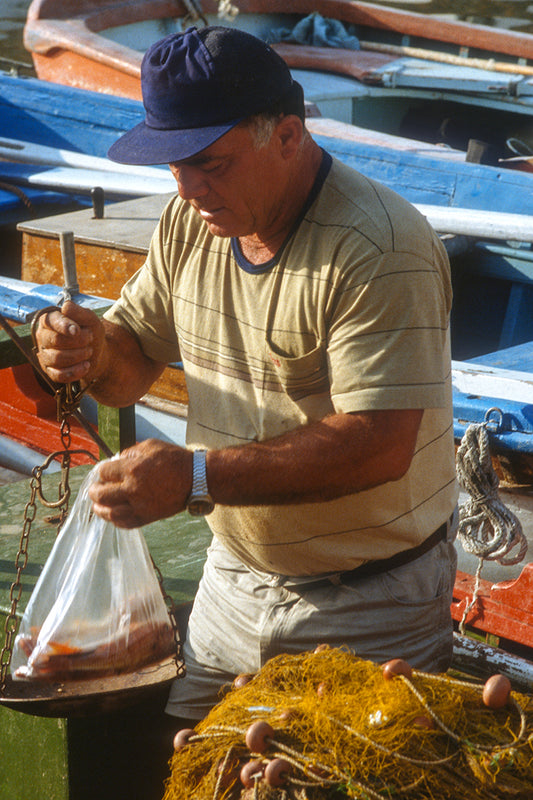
200,501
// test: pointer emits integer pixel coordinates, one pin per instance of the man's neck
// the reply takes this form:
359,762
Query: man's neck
258,248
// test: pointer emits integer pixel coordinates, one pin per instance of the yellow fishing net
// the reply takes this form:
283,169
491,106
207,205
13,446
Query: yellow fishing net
330,725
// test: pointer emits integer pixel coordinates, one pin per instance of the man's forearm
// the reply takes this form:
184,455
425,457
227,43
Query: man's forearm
123,373
340,455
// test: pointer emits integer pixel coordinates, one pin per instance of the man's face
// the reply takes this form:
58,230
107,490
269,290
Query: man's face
232,184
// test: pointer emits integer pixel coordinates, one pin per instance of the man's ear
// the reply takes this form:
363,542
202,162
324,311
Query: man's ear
290,133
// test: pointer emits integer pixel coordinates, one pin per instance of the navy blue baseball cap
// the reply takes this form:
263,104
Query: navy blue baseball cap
197,85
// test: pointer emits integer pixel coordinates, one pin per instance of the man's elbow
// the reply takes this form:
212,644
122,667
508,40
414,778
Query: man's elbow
398,466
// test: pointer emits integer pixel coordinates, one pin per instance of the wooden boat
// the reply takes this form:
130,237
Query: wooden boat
415,75
63,134
53,142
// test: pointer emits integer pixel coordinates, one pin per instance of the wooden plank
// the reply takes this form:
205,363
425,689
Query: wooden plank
116,426
503,609
359,64
331,128
482,379
431,181
41,260
480,224
482,660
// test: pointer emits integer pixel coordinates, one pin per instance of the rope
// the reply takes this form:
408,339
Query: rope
22,196
487,528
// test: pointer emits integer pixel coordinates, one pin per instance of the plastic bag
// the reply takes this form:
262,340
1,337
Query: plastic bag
97,607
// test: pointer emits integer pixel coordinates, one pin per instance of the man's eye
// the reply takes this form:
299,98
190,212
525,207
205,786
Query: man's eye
212,166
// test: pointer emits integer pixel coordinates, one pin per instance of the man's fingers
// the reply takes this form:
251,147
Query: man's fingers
110,471
122,516
71,321
108,494
78,315
63,364
61,358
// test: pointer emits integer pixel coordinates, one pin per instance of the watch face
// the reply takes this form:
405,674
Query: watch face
199,507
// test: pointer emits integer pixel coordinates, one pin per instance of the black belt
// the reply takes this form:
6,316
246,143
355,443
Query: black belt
377,566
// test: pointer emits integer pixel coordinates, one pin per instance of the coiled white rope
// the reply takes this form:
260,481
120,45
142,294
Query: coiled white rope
487,528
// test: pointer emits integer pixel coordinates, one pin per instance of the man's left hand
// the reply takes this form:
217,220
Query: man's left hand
149,481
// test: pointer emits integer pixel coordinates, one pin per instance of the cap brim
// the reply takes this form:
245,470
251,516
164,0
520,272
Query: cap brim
145,145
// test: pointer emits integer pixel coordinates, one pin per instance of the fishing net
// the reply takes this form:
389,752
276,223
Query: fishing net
330,725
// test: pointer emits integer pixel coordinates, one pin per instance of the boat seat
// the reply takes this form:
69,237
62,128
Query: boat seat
359,64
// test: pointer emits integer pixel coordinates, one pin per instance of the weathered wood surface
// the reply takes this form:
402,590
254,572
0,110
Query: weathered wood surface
66,46
503,609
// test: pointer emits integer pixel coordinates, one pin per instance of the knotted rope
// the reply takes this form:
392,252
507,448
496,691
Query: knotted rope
487,528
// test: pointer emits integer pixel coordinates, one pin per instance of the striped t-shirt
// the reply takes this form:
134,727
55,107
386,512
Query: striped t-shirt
352,316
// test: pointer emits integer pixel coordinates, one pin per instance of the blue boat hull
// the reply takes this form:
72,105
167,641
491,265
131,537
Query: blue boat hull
88,122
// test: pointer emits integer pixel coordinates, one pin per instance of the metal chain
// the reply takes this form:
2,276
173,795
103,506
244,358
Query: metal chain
60,506
21,561
66,400
171,608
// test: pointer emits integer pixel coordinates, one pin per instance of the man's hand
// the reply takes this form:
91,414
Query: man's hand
150,481
70,343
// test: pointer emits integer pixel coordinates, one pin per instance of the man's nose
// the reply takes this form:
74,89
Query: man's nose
191,182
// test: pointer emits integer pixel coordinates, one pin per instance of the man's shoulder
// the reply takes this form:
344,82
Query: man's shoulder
357,189
352,201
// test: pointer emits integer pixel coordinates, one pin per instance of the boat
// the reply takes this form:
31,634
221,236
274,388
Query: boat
54,140
414,75
63,134
53,143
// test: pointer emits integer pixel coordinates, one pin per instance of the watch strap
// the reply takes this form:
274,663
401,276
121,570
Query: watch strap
199,474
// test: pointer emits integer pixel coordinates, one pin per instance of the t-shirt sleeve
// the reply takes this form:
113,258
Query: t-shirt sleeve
388,335
145,307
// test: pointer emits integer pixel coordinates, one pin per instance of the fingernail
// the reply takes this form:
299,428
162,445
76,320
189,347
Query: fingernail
73,329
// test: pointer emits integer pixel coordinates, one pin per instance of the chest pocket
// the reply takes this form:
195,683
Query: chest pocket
302,376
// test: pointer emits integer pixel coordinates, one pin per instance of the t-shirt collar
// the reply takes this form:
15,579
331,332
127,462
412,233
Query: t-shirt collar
257,269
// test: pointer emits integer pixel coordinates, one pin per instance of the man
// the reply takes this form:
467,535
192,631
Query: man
310,307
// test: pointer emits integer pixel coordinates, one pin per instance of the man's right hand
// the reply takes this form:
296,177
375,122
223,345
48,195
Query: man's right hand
69,343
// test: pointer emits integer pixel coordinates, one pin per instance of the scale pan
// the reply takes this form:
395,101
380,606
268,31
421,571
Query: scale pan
88,697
